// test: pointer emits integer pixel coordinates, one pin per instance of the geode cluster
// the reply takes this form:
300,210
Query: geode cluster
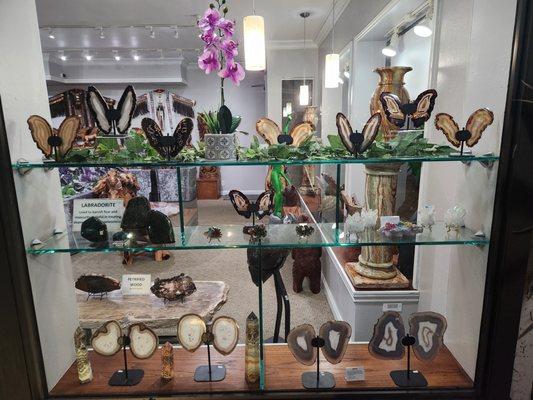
175,288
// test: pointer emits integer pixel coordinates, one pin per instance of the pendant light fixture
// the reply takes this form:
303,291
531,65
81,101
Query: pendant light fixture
254,42
331,80
423,27
304,89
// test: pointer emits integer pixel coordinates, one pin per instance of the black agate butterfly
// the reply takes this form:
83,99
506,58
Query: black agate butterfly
167,146
417,111
358,142
107,117
262,207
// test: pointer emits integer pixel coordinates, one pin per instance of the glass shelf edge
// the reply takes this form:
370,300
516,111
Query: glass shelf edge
200,163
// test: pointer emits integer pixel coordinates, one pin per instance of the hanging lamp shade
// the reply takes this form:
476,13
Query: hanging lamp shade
254,43
332,71
304,95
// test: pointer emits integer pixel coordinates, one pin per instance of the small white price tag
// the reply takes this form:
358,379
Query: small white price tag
136,284
354,374
392,307
391,219
107,210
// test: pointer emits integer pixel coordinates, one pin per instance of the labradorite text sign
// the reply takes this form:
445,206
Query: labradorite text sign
109,211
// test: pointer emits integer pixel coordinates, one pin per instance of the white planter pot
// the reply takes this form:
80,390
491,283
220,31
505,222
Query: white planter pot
220,147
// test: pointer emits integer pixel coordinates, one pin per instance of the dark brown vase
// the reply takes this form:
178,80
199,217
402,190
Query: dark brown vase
390,80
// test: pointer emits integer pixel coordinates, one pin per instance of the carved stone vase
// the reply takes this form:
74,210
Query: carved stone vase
375,262
390,80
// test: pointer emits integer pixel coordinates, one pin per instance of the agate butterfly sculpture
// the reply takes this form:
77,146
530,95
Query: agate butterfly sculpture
358,142
110,119
272,134
54,142
167,146
470,134
263,205
417,111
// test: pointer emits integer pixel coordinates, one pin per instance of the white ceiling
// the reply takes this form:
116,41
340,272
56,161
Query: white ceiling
284,26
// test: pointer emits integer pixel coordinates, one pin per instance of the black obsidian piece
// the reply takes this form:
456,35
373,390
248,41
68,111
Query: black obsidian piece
135,218
160,229
94,230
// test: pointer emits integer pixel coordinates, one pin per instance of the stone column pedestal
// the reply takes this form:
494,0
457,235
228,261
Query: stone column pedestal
375,262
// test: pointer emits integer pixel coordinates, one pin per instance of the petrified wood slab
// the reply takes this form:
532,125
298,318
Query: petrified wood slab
150,310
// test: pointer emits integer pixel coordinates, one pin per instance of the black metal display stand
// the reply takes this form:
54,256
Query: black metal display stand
209,373
318,379
126,377
407,377
282,299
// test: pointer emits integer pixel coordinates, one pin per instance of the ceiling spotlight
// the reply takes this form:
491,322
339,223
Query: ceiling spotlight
51,34
62,56
88,57
176,32
392,48
102,34
423,28
136,56
116,56
346,72
152,33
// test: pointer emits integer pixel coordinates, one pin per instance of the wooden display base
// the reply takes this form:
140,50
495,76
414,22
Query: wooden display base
208,188
283,373
362,282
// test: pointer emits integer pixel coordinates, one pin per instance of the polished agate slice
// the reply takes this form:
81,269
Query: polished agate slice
106,339
428,329
386,341
191,329
336,335
225,334
299,341
143,341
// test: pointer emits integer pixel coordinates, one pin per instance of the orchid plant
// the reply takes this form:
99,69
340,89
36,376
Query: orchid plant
219,54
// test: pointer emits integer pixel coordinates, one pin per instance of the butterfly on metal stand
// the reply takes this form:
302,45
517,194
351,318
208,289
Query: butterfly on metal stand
107,117
417,111
358,142
167,146
263,206
272,134
470,134
51,141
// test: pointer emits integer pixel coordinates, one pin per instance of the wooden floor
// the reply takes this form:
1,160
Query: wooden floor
283,373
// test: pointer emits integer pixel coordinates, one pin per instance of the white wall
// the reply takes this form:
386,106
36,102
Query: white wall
288,64
23,92
246,100
468,74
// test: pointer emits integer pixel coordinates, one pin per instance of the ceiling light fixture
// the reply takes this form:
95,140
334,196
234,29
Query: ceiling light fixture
331,73
254,41
392,48
176,33
62,56
51,34
136,56
152,33
304,89
423,28
116,56
102,34
88,57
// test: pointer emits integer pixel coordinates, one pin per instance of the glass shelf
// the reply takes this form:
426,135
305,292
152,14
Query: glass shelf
201,162
279,236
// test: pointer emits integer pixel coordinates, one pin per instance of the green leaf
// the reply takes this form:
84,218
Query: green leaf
335,142
235,122
225,120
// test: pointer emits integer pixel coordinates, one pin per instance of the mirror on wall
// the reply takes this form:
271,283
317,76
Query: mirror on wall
296,101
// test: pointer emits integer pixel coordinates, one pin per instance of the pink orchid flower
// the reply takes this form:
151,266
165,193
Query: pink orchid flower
229,47
226,26
210,39
233,71
209,21
208,61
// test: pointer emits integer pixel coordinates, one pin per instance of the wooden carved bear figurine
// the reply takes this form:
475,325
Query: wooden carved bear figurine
306,264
